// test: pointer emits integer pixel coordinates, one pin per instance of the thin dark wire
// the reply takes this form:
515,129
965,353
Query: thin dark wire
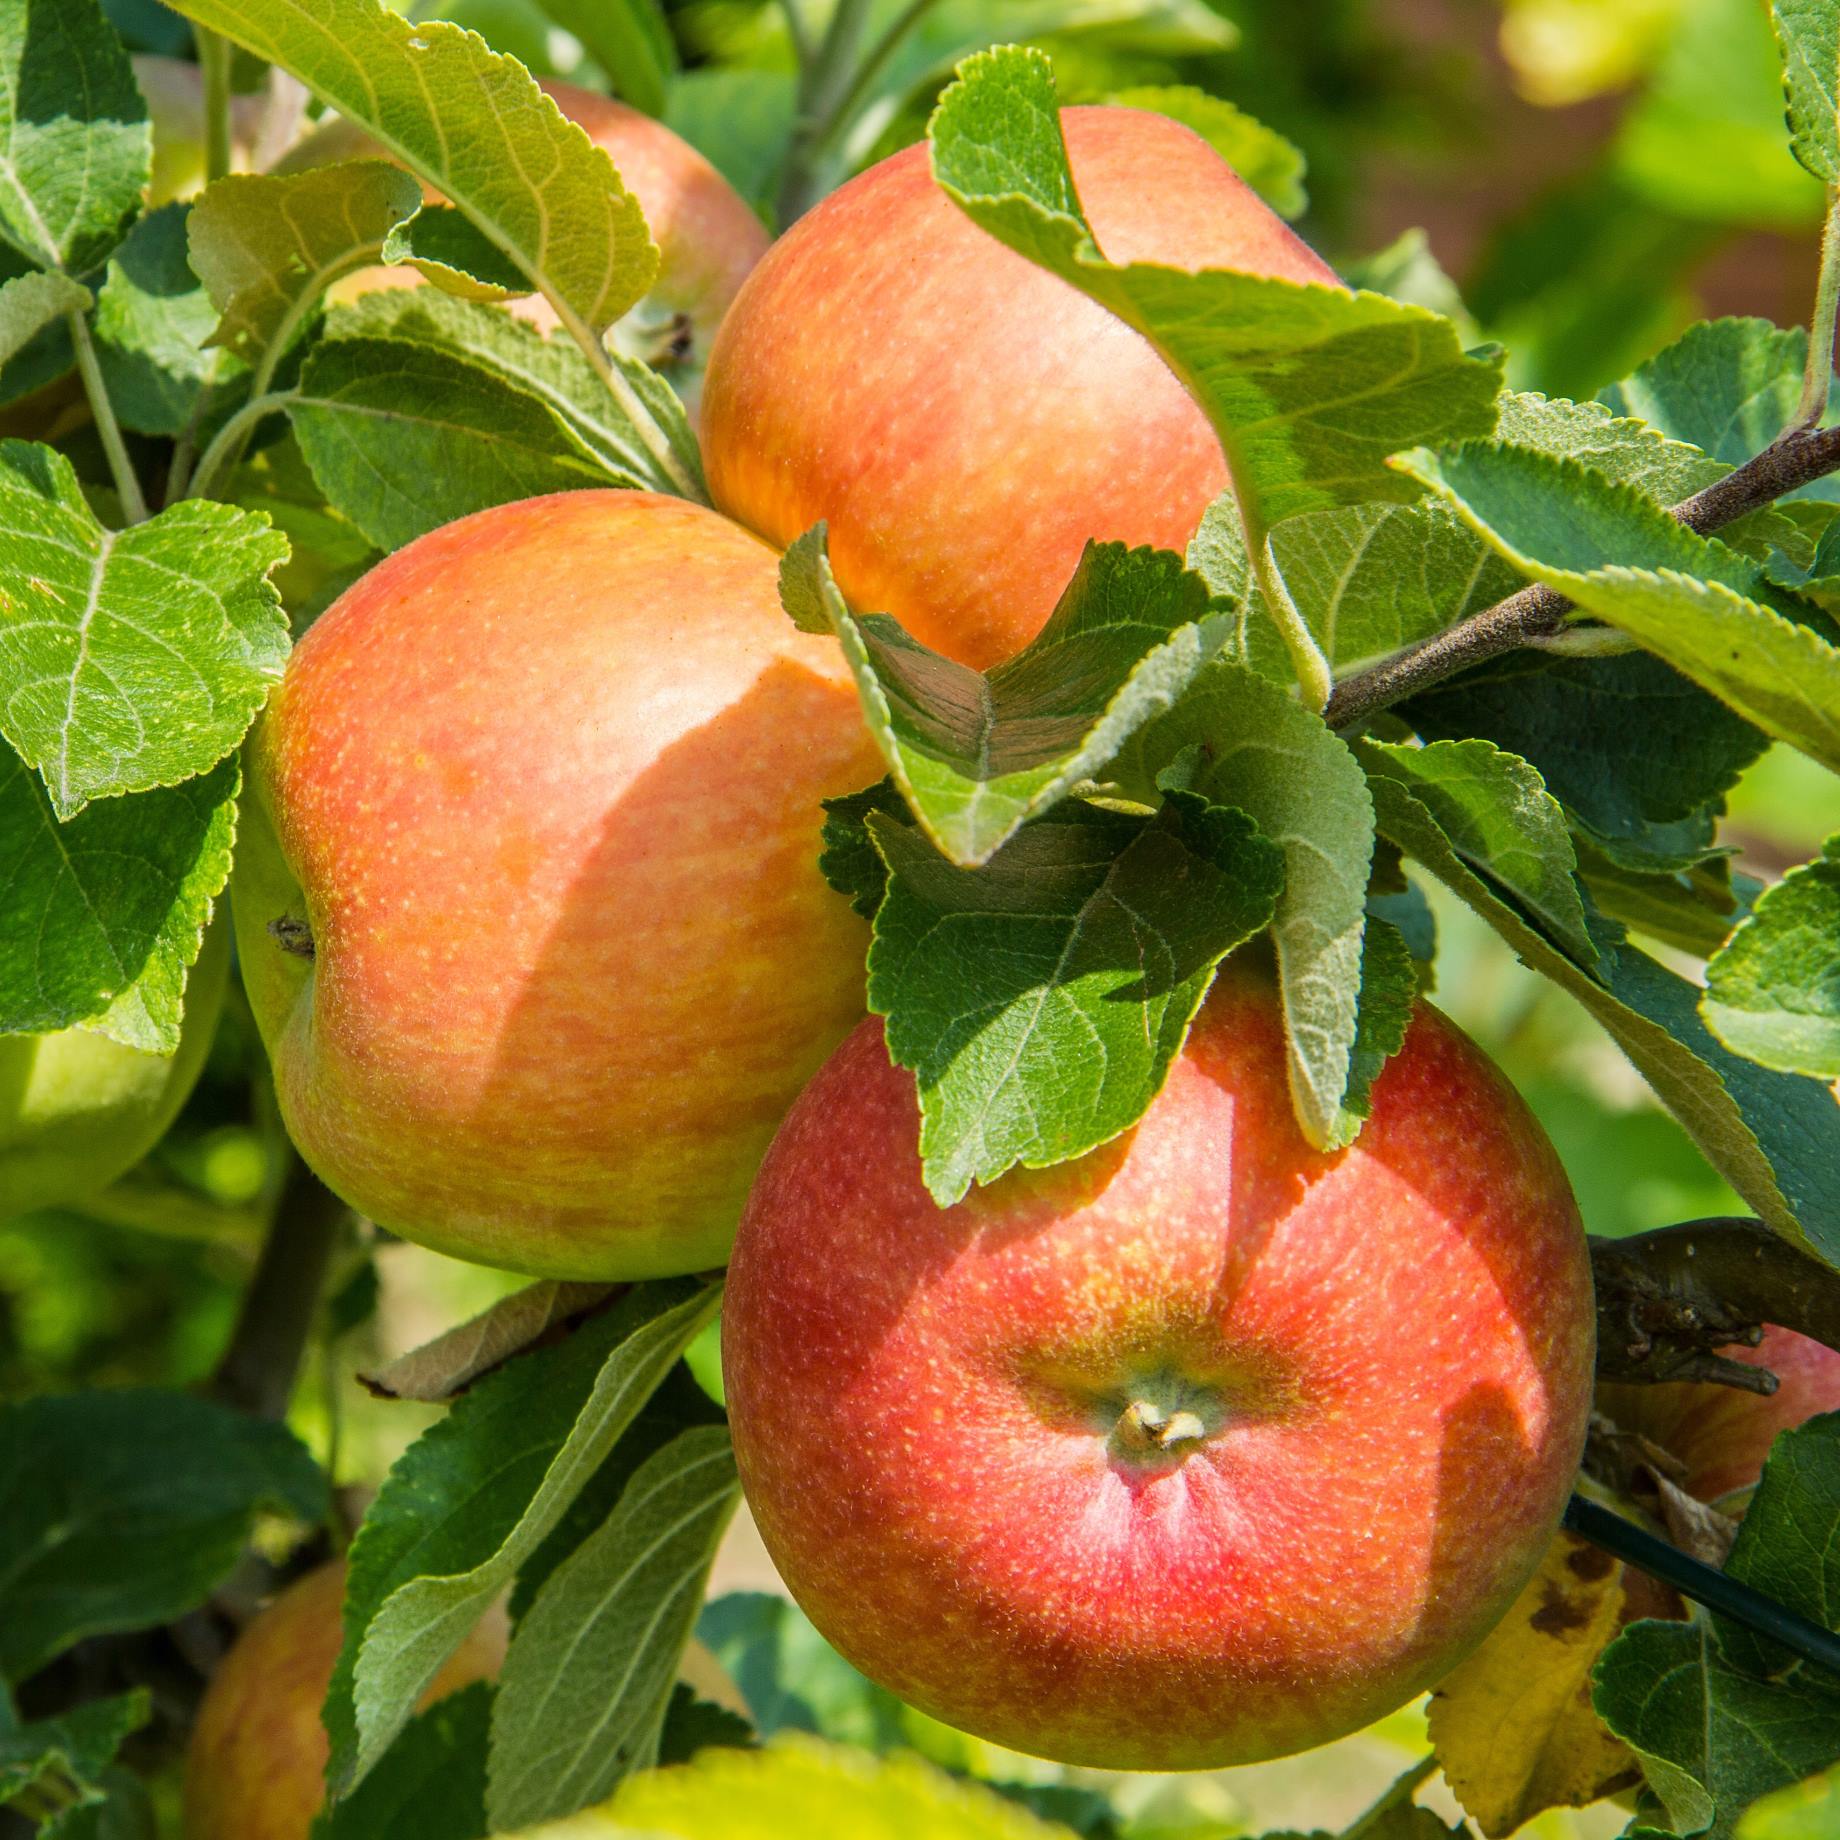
1703,1583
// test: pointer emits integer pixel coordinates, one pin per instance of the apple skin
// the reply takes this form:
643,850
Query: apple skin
1389,1351
708,239
78,1110
1722,1434
255,1768
544,787
964,420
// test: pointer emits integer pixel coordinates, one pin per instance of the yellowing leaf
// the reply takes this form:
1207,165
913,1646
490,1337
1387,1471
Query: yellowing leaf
796,1786
1513,1725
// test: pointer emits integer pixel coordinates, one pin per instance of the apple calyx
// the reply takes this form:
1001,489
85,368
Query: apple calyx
1163,1425
292,935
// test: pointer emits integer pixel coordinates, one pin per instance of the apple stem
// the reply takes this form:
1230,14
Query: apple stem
259,1366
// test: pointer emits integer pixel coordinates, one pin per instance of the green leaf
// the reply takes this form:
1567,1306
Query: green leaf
1040,999
1371,579
797,1785
692,1725
551,369
850,862
100,917
153,323
75,148
584,1689
30,303
1772,1136
67,1755
128,659
1407,270
1692,910
977,754
431,1783
1808,1811
1773,992
1696,603
473,124
1389,986
1271,165
1308,388
1808,36
1272,758
122,1509
476,1495
446,247
1704,138
403,438
1727,386
1502,821
679,1405
739,120
1639,757
631,42
1717,1715
268,246
791,1678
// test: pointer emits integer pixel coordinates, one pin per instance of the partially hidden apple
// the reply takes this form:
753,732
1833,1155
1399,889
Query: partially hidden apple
77,1109
1722,1434
527,896
255,1766
964,420
1200,1450
708,238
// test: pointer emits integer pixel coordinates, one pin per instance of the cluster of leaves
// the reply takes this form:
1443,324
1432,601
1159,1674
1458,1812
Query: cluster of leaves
1064,849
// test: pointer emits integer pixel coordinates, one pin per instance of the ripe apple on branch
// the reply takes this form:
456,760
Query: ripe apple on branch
944,828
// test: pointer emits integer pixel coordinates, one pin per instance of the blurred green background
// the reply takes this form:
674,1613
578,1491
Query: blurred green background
1594,174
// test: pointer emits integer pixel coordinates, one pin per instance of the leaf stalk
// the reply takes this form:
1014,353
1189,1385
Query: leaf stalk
1817,377
108,429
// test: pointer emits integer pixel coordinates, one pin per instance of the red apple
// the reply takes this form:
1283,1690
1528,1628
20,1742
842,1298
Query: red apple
77,1110
1720,1433
963,419
708,238
256,1765
1203,1449
539,795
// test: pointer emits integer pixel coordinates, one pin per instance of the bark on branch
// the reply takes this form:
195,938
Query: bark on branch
1793,459
1667,1301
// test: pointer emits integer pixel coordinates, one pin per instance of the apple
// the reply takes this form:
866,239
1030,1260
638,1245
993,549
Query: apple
527,896
963,419
77,1110
1721,1433
255,1767
1200,1450
707,236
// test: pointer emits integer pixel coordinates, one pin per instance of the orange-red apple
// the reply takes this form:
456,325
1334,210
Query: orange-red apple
963,419
1203,1449
708,238
527,894
256,1765
77,1110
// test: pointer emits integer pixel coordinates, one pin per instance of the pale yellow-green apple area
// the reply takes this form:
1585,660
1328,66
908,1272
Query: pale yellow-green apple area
527,896
255,1767
964,420
1203,1449
708,238
77,1110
